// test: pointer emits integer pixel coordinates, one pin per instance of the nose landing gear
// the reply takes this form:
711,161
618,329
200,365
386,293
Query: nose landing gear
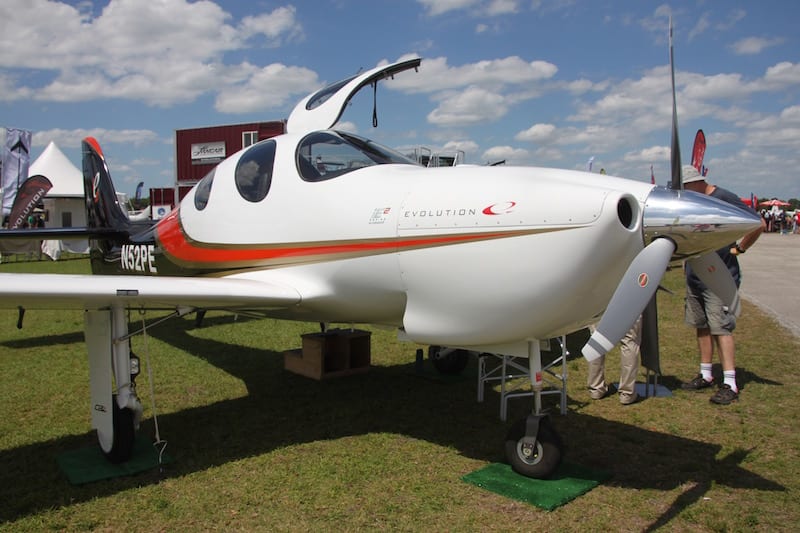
533,448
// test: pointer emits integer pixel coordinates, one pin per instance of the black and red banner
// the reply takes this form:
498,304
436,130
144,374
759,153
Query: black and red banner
29,194
699,152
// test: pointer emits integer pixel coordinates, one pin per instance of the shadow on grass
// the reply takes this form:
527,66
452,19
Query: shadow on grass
743,377
37,342
284,409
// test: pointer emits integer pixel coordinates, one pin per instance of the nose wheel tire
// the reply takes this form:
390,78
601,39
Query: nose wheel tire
533,457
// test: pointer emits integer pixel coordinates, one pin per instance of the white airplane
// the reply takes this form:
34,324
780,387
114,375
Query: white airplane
322,225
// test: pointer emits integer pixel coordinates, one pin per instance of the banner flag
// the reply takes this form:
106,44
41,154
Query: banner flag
30,193
16,160
699,151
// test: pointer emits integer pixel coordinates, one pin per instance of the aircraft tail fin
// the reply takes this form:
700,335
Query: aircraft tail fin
103,212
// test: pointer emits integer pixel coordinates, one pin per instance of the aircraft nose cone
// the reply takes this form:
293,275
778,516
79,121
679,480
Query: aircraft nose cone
697,223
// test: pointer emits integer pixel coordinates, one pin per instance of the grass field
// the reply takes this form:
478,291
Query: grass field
258,448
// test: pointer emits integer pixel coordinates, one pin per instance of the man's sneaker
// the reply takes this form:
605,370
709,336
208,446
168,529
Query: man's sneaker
698,383
598,394
724,395
629,399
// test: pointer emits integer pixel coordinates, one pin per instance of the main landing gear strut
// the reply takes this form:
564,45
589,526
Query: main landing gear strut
115,415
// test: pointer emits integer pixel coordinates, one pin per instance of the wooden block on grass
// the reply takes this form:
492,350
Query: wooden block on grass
334,353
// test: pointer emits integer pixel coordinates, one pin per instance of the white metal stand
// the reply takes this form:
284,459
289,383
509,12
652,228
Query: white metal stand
510,371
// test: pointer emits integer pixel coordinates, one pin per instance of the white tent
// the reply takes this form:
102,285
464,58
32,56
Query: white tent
64,203
67,179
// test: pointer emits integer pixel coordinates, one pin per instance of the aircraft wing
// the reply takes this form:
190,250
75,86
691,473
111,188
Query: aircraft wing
70,291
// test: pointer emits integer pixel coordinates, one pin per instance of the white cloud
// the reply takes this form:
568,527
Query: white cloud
508,154
161,52
347,126
782,76
267,88
439,7
466,145
791,115
730,21
657,23
546,153
491,8
274,26
779,130
502,7
484,97
472,106
648,155
538,133
643,105
700,26
551,6
145,162
436,75
754,45
72,138
714,87
718,138
9,91
580,86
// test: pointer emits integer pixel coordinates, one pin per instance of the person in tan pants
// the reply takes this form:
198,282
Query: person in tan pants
629,368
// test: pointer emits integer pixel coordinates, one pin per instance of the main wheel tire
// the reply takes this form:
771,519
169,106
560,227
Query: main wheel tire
452,363
124,434
536,460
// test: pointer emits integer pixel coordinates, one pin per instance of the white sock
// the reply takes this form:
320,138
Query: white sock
705,370
730,379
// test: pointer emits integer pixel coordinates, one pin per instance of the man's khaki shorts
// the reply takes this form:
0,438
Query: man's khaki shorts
705,310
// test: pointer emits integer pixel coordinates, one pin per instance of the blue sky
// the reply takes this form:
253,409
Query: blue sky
534,82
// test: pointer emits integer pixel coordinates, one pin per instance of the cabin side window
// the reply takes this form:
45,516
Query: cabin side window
253,174
203,190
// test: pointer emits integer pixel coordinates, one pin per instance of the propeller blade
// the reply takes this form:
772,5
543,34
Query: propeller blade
676,183
711,270
635,289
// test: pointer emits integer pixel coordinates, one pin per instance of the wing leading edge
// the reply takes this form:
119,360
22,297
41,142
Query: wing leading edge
70,291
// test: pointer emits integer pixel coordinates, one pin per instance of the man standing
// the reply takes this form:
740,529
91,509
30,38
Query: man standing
706,312
629,368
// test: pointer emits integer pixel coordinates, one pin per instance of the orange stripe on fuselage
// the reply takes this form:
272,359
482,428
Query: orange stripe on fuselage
186,252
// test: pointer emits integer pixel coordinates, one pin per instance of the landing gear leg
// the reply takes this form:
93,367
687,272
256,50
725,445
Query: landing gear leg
115,416
532,446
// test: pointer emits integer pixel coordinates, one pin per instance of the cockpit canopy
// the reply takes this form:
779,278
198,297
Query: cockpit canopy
323,108
323,155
